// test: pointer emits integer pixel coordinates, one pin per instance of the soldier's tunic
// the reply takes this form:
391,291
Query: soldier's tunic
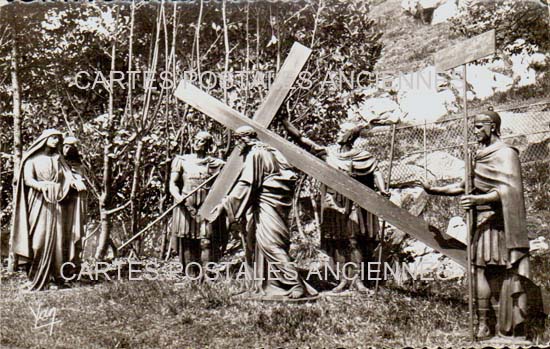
501,237
342,219
193,172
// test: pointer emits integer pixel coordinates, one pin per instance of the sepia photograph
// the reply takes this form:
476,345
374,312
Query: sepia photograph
274,174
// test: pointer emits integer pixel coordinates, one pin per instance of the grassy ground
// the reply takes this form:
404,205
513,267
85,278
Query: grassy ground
148,314
162,314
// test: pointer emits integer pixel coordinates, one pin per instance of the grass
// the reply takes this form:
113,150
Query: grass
151,314
148,314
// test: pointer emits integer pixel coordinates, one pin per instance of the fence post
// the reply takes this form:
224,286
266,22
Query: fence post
425,153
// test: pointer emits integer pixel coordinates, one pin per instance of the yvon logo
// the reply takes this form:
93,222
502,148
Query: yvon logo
44,318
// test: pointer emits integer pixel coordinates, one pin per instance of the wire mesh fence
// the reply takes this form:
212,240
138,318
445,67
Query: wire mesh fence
435,151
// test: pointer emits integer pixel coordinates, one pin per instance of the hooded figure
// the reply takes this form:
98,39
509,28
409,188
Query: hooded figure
43,182
76,202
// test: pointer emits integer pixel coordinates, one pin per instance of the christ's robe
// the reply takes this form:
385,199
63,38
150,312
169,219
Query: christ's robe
263,195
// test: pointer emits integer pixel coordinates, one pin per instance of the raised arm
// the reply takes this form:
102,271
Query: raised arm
302,140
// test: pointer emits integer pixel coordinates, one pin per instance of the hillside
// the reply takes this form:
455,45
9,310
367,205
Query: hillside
409,44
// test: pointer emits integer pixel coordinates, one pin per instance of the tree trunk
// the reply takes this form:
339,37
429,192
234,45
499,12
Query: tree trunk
17,146
226,69
170,66
105,198
197,38
129,110
135,189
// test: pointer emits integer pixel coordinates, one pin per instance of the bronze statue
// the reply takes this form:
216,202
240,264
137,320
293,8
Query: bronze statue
75,204
263,197
41,229
348,232
500,246
195,239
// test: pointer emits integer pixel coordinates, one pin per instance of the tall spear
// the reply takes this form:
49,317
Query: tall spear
469,212
461,54
167,211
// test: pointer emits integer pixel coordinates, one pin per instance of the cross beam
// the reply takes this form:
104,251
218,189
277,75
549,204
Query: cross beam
264,115
318,169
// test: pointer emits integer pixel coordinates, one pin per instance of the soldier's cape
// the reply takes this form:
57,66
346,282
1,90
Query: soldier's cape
497,168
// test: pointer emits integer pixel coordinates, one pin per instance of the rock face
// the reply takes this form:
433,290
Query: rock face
422,9
382,108
431,11
447,10
523,73
425,96
412,199
440,165
428,265
539,244
484,82
457,229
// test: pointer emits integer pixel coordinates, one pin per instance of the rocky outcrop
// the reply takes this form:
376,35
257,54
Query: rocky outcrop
431,11
381,108
422,9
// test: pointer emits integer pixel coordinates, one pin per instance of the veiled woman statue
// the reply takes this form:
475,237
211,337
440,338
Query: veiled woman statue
39,234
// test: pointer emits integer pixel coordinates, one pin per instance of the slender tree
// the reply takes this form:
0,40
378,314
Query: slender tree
17,122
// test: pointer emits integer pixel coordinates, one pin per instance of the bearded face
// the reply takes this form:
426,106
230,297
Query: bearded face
346,134
200,144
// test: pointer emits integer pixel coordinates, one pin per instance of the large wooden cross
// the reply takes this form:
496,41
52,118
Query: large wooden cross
318,169
280,88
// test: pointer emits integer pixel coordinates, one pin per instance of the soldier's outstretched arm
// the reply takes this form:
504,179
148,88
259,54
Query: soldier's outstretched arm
469,201
304,141
446,190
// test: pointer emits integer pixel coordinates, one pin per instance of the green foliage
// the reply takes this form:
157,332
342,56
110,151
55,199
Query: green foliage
58,41
536,179
521,26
